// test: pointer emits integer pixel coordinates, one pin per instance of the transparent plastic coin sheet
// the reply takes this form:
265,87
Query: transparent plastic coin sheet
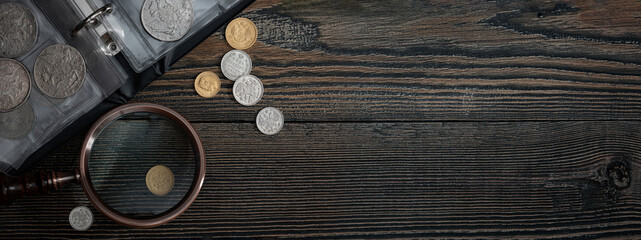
52,115
138,46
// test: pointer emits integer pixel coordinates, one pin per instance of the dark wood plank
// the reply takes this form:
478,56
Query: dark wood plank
417,60
388,180
370,90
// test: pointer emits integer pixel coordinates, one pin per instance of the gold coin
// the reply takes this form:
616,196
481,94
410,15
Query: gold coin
241,33
160,180
207,84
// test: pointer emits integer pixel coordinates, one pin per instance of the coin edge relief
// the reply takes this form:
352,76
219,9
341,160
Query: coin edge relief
35,38
200,75
281,126
173,182
90,222
255,38
251,64
262,92
29,78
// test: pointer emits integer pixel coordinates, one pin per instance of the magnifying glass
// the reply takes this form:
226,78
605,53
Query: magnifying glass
141,164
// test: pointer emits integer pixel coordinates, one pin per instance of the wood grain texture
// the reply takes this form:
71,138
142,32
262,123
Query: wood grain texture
427,60
389,180
406,119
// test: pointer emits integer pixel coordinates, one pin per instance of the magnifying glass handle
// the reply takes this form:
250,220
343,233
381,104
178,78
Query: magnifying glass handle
36,183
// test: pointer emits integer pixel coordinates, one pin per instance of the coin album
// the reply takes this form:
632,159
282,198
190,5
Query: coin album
120,56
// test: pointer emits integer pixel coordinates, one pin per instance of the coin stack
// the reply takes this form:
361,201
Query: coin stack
236,65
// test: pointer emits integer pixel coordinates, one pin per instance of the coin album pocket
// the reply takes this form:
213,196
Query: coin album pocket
41,117
139,47
124,44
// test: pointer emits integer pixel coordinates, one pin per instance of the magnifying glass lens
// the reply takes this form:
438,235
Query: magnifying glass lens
142,164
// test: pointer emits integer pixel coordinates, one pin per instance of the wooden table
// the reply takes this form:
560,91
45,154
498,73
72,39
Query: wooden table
406,119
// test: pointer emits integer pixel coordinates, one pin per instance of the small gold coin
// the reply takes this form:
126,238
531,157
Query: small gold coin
241,33
160,180
207,84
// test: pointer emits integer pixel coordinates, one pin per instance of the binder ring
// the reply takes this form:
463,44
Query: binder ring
91,19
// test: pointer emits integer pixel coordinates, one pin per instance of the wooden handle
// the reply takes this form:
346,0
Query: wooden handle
36,183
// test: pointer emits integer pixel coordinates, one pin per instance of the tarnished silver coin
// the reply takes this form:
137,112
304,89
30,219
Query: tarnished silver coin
15,84
59,71
167,20
16,124
235,63
81,218
270,120
248,90
18,29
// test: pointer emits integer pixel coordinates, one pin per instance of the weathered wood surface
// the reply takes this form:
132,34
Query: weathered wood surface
406,119
420,60
389,180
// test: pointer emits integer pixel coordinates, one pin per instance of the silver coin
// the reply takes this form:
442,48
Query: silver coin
15,84
270,120
167,20
81,218
248,90
59,71
18,29
16,124
235,63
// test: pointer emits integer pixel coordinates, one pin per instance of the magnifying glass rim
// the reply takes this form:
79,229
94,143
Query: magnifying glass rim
103,122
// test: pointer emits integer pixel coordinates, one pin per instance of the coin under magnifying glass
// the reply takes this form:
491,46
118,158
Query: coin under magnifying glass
59,71
248,90
207,84
241,33
18,123
81,218
160,180
235,63
18,29
270,120
15,84
167,20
